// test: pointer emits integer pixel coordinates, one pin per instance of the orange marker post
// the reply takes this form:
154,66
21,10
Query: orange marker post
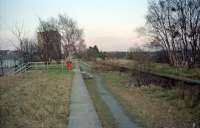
69,65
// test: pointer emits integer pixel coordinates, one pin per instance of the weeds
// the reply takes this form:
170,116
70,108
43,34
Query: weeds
36,99
152,106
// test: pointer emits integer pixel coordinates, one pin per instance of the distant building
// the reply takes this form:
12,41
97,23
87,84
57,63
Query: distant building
50,45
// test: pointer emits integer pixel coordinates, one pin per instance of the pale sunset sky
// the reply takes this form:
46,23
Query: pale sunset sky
110,24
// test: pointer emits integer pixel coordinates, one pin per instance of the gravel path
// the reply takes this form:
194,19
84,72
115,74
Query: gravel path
82,112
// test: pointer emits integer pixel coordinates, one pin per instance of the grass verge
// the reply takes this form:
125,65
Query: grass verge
153,107
35,99
193,73
103,112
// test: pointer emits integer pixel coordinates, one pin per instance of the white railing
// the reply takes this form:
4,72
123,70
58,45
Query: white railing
37,66
22,68
43,65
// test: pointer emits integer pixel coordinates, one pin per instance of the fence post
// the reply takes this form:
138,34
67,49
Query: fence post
47,65
62,65
25,67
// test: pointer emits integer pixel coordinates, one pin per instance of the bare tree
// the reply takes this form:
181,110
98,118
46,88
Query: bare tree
67,28
81,49
50,25
19,33
71,33
81,46
26,47
176,26
1,63
29,49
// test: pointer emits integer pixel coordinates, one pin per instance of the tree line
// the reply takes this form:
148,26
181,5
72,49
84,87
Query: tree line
175,27
71,36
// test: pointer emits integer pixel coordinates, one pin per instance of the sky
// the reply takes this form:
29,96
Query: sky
110,24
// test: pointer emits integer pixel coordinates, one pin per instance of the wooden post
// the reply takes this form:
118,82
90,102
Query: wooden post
47,65
62,65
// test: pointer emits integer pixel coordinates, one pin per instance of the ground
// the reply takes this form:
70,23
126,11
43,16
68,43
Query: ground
82,112
35,99
107,120
108,108
152,107
102,109
193,73
40,99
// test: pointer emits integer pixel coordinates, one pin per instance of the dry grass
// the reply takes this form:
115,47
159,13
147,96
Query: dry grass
153,107
193,73
102,109
36,99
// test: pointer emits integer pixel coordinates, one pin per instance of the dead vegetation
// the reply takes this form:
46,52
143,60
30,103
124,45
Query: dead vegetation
153,106
102,109
157,74
145,64
36,99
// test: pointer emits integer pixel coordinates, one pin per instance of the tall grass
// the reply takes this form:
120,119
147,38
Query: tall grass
152,106
35,99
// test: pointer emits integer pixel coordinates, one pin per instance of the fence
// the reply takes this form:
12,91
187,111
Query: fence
8,64
37,66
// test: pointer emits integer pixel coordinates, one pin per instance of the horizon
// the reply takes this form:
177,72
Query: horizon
109,24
